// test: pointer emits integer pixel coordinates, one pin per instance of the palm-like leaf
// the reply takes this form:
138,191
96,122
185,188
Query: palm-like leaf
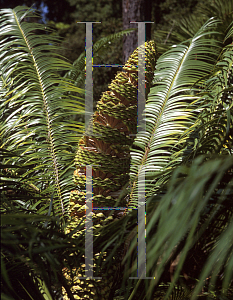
189,237
17,194
34,110
169,112
216,121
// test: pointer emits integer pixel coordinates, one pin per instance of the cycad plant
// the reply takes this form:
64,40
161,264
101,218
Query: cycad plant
184,156
38,133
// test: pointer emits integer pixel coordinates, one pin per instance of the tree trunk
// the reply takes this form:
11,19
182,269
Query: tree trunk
137,11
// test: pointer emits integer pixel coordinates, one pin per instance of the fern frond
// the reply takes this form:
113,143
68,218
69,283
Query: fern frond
34,108
170,110
215,124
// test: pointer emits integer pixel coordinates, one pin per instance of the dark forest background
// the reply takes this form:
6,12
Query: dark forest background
63,15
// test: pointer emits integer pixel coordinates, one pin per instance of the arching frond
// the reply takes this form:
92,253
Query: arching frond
215,123
34,111
169,112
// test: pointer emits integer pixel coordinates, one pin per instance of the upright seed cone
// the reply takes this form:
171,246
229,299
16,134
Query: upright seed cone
107,148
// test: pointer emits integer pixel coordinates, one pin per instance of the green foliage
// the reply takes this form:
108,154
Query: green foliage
34,108
188,113
34,250
171,108
215,121
185,25
77,74
186,151
197,237
109,14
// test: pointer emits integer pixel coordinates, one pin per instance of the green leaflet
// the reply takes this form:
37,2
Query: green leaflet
34,104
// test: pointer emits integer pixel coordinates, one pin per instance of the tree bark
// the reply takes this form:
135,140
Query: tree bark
137,11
